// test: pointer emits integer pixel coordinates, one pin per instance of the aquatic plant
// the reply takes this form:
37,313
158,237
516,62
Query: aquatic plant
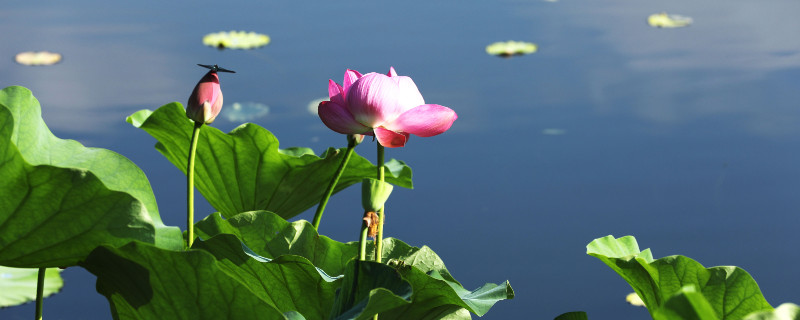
70,206
236,40
511,48
390,107
664,20
37,58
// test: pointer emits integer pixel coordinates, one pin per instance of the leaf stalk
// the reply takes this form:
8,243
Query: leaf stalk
351,144
190,185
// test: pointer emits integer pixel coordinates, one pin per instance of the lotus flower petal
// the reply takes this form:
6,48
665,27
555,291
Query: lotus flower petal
373,99
388,106
409,96
336,93
389,138
350,76
339,119
425,121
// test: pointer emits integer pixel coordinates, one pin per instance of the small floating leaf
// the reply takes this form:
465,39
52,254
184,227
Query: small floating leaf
236,40
314,104
664,20
244,111
510,48
19,284
40,58
634,299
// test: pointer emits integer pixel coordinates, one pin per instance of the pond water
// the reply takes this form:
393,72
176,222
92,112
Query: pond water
686,138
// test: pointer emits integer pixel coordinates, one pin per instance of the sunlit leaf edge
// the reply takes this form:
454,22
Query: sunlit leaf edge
19,285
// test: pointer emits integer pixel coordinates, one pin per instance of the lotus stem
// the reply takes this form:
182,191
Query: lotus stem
362,242
379,239
190,185
40,293
351,144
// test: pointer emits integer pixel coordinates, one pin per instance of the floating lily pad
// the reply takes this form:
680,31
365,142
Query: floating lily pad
236,40
314,104
634,299
244,111
664,20
511,48
19,284
39,58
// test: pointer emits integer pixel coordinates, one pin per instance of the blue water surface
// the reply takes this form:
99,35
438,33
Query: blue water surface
686,138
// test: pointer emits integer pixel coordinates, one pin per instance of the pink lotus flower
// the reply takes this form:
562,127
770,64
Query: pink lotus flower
205,103
389,107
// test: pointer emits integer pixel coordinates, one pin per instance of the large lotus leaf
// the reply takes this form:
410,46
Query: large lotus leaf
424,259
288,283
731,291
269,235
19,284
54,216
431,290
381,289
786,311
687,303
368,289
141,281
39,146
244,170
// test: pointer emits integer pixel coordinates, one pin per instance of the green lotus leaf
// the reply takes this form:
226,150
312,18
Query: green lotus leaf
687,303
288,283
293,315
245,170
731,291
236,40
369,288
268,235
574,315
511,48
436,292
19,284
432,290
61,200
141,281
786,311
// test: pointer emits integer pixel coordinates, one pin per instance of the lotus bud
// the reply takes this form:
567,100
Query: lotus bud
374,194
355,139
205,103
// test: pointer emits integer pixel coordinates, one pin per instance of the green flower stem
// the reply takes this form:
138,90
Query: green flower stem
351,144
190,185
362,242
40,293
379,240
